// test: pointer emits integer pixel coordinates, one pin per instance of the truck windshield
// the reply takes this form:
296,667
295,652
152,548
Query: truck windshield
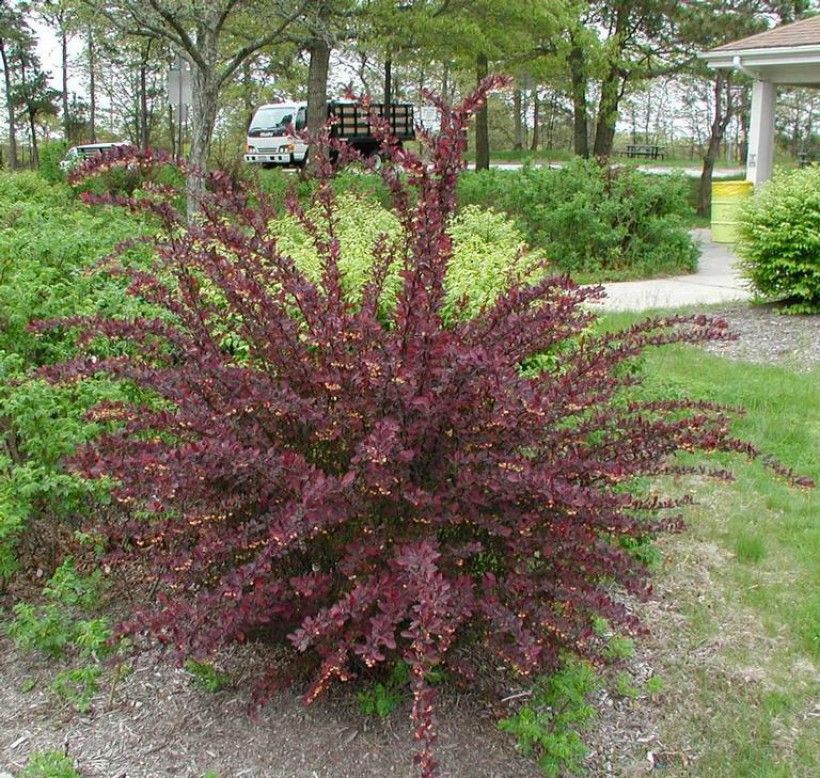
268,118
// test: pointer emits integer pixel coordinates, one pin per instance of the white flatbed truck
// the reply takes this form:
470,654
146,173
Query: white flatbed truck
273,141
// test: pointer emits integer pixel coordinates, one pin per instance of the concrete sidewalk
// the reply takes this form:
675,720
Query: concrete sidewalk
717,280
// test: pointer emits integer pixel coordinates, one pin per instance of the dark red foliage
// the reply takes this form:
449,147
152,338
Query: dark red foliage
363,491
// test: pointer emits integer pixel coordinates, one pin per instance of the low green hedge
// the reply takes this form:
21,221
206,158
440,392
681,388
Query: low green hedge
607,222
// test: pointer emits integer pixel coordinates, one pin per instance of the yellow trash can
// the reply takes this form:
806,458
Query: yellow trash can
727,197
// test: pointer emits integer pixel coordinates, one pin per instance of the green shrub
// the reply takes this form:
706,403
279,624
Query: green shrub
52,153
779,240
24,189
50,764
55,627
277,183
589,219
48,244
58,628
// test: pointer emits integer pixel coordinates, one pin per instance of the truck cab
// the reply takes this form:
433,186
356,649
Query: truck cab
269,143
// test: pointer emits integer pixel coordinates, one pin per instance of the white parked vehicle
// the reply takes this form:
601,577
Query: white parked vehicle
77,154
272,138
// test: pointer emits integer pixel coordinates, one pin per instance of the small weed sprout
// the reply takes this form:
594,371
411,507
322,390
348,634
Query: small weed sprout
383,698
549,725
624,687
78,686
50,764
655,686
206,676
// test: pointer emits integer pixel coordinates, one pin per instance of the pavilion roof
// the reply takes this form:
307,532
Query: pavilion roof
802,33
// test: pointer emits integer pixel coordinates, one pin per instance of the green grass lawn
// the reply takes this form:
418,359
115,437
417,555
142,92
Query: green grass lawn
741,659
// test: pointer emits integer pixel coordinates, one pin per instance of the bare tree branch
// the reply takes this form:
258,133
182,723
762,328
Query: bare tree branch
242,54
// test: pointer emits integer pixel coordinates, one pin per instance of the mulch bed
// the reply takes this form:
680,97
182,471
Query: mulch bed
769,337
158,723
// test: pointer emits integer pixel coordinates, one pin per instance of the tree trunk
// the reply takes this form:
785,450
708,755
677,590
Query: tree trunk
317,95
247,92
35,151
482,122
536,120
717,131
578,79
607,115
10,110
92,87
552,115
518,125
388,80
64,53
647,118
143,112
204,108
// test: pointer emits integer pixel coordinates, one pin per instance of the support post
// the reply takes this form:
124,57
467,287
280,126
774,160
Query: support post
760,157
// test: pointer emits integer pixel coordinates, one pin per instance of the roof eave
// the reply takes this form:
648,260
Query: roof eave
776,55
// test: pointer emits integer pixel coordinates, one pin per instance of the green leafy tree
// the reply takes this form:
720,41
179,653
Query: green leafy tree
11,25
711,23
478,35
216,38
28,94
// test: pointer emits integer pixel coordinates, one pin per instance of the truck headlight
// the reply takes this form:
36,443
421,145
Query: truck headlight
286,149
251,149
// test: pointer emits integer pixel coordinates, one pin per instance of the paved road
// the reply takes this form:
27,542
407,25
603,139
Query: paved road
717,280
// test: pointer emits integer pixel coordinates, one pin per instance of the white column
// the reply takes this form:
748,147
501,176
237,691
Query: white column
760,159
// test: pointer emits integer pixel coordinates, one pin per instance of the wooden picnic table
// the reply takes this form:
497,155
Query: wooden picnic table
806,157
647,150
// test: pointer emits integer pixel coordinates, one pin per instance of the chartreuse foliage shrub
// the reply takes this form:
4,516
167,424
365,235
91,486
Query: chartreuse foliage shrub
779,240
593,219
489,254
366,484
49,245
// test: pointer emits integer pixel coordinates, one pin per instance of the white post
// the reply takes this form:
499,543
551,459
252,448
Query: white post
760,159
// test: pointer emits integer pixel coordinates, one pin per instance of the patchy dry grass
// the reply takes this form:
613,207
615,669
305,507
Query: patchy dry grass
736,618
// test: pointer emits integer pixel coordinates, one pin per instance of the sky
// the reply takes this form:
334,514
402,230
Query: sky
48,47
